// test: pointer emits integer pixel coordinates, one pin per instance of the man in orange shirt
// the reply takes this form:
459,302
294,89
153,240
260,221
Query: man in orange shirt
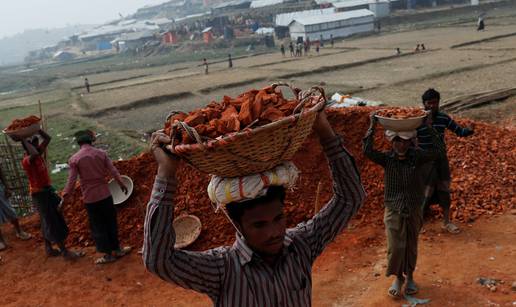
53,225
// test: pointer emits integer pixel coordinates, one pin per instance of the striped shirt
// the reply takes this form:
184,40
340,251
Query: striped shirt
236,276
404,188
441,122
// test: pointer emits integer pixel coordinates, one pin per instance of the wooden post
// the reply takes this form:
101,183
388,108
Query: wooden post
44,126
317,195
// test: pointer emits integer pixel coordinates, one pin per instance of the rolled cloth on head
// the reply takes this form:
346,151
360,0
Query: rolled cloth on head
406,135
84,136
227,190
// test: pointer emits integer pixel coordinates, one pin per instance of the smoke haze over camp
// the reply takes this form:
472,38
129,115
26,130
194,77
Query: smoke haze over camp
17,16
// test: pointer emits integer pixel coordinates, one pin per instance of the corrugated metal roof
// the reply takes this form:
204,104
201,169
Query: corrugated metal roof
262,3
351,3
313,20
230,3
283,20
136,35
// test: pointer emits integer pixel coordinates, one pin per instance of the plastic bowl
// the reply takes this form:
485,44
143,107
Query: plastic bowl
187,229
119,196
397,125
24,133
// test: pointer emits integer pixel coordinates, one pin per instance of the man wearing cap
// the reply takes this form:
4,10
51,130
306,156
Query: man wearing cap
93,165
268,265
437,173
403,199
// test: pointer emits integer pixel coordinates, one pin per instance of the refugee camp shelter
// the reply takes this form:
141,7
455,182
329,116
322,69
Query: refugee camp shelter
63,56
169,38
282,21
207,35
262,3
337,24
135,40
380,8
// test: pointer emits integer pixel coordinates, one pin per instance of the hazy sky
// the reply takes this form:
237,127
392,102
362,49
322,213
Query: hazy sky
18,15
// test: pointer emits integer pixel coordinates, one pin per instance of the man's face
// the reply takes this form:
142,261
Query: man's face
432,105
400,146
263,227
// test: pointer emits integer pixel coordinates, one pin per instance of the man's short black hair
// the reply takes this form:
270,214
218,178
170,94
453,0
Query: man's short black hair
237,209
431,94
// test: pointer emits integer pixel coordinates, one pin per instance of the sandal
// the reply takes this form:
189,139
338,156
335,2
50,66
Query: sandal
2,246
105,259
411,288
122,252
451,228
395,289
22,235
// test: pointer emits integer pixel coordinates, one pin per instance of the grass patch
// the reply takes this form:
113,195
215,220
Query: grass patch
63,145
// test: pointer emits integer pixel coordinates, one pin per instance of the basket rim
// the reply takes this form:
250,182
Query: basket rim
401,119
8,132
183,149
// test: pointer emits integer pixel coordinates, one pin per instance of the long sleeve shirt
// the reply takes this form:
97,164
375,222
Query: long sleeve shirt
403,191
441,122
92,165
236,276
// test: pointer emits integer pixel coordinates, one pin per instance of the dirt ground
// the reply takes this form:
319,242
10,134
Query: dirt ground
349,273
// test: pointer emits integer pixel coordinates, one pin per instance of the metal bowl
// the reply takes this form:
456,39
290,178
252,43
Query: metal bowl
119,196
397,125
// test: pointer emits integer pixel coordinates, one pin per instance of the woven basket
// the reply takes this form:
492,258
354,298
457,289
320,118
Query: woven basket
255,150
187,229
23,133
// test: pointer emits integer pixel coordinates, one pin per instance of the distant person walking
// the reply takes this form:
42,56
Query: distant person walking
332,41
205,63
305,45
291,48
317,49
398,51
480,24
87,84
417,48
423,48
230,61
282,49
321,39
7,213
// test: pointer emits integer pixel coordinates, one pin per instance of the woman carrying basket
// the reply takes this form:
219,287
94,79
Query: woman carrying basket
403,197
268,265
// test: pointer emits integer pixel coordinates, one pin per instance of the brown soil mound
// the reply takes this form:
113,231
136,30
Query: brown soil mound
483,172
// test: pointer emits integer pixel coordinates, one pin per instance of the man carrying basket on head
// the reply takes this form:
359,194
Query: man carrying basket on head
403,199
268,265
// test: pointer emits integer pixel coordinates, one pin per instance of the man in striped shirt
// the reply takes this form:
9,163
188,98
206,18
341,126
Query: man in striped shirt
403,199
268,265
437,173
